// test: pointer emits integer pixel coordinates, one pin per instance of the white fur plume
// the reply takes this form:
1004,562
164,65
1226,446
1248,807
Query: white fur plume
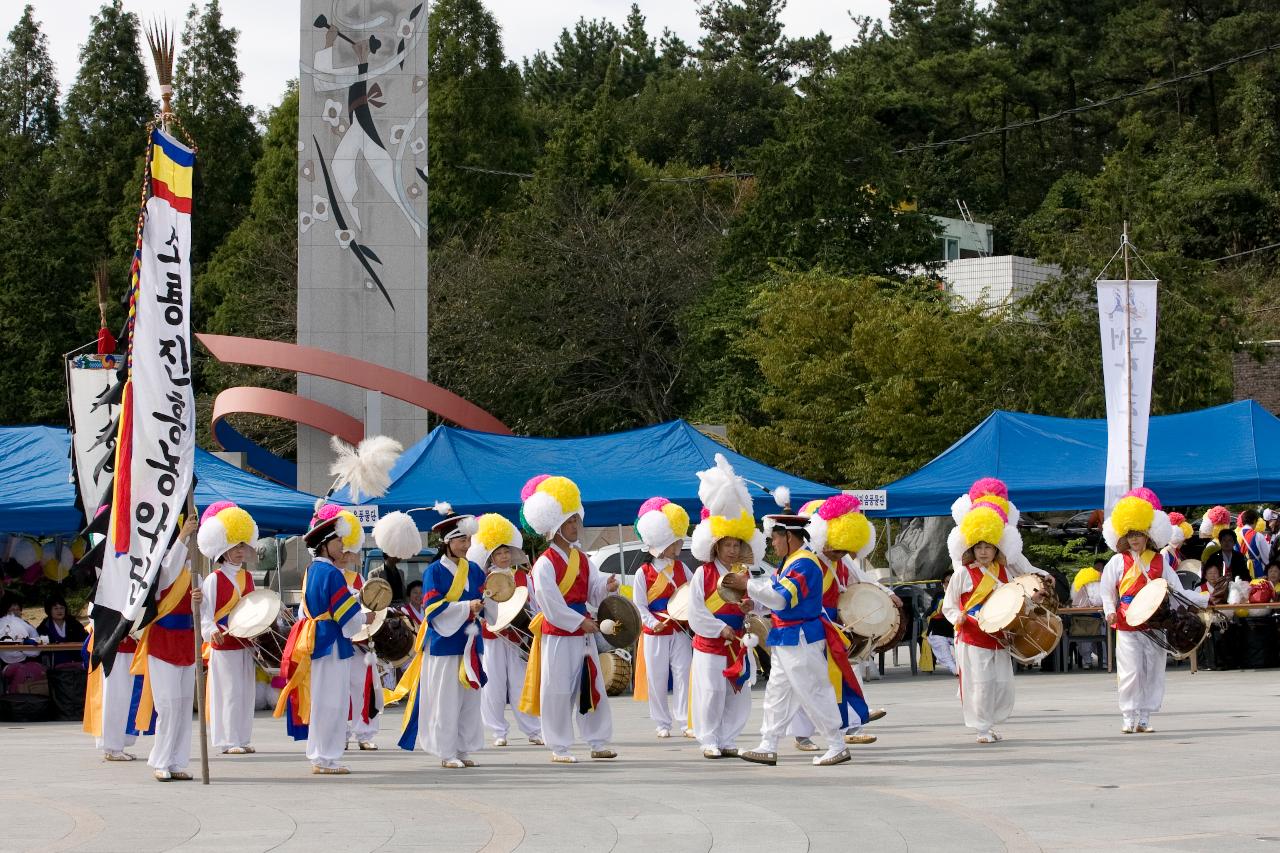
722,491
443,507
782,497
397,536
366,468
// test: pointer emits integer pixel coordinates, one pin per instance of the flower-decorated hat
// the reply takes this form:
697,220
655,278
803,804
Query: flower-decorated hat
1181,529
222,527
839,524
548,502
492,532
985,514
332,521
660,523
726,511
1216,520
1138,511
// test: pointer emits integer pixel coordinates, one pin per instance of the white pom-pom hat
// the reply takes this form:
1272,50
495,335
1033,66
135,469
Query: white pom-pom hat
223,526
726,511
659,523
492,532
548,502
396,535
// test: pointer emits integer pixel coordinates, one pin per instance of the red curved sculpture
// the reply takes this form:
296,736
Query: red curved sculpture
362,374
290,407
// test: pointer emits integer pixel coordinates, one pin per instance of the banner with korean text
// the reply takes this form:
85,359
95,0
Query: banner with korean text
155,445
1127,317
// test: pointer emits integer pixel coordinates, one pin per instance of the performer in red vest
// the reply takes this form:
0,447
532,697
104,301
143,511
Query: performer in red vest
1136,530
563,682
226,537
665,651
986,550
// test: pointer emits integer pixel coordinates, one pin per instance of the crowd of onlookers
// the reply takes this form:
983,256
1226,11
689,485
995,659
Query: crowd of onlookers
26,671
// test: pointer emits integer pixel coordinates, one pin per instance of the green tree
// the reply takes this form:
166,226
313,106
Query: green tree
29,83
250,286
207,100
476,117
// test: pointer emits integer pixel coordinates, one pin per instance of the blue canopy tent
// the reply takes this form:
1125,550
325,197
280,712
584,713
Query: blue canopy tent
37,496
480,472
1225,454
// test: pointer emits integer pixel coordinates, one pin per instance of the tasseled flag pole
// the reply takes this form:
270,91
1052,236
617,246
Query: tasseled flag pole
160,40
102,280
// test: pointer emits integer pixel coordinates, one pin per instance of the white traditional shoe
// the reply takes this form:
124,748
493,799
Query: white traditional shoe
368,746
557,758
859,738
834,755
1145,727
987,737
236,750
119,756
340,770
501,741
163,776
453,763
689,734
664,733
877,714
712,752
536,740
805,744
1128,728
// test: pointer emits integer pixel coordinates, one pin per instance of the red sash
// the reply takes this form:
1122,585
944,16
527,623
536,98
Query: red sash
576,594
224,589
969,632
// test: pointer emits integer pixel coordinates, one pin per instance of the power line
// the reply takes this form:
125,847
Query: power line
1246,252
1154,87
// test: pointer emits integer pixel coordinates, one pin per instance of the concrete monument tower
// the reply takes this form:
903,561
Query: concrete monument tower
362,209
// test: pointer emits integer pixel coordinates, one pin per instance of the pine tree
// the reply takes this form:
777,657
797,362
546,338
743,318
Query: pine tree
98,154
207,101
28,84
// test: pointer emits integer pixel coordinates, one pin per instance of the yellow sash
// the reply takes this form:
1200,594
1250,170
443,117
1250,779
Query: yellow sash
180,587
304,644
640,690
92,723
531,693
1135,571
408,684
980,592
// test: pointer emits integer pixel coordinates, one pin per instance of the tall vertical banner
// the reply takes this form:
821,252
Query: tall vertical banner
1127,316
155,446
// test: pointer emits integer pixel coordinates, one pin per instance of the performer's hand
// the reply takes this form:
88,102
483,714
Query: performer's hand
589,626
217,636
369,617
188,530
727,633
611,585
197,596
736,581
1111,620
476,606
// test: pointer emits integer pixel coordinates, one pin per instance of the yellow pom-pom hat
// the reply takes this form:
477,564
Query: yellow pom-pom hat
726,512
1138,511
839,524
659,523
549,501
985,514
492,532
1084,577
222,527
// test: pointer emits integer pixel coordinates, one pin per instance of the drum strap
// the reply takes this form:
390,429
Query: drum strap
143,715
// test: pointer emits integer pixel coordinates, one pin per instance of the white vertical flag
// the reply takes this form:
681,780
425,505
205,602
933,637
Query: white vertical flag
1127,317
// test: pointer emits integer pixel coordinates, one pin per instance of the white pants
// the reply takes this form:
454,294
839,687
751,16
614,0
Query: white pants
231,698
798,679
360,663
562,662
942,654
1139,674
504,669
117,693
330,702
986,685
669,656
448,712
718,713
173,689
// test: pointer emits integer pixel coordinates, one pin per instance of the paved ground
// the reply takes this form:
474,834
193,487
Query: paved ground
1065,779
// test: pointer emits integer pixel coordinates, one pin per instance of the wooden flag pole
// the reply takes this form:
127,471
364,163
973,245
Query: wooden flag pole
1128,364
197,580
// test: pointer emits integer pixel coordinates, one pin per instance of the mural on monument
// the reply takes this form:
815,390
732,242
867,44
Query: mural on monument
356,53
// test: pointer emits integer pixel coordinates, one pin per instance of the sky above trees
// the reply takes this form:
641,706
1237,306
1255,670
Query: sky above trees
526,28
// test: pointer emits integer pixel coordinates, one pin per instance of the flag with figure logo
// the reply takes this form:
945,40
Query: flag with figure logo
155,442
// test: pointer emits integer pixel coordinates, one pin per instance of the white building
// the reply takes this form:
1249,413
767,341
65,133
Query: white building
975,276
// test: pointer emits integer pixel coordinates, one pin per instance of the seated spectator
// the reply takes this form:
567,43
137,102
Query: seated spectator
1086,591
940,632
19,668
1273,573
1228,558
57,628
1213,585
